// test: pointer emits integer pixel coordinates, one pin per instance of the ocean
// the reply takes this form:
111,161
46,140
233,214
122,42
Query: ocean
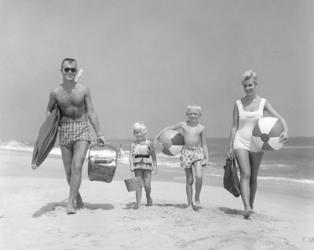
293,163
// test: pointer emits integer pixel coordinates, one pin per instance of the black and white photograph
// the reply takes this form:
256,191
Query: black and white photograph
157,124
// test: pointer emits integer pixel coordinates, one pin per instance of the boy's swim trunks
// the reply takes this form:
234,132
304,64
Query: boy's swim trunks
191,156
70,132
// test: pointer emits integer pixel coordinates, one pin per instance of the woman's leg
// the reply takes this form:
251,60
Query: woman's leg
255,161
243,161
147,186
189,185
139,173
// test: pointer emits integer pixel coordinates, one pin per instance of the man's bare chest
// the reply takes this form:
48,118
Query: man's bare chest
73,98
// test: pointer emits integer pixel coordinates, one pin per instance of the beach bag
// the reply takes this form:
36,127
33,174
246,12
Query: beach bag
102,162
231,180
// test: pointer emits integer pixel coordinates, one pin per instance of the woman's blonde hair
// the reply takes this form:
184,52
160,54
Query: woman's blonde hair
248,75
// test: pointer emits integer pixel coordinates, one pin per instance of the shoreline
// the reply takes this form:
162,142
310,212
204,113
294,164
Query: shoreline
15,163
36,209
33,206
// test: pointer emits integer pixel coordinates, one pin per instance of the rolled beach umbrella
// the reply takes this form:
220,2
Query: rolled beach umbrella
46,137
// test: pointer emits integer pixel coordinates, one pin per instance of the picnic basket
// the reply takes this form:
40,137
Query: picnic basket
102,162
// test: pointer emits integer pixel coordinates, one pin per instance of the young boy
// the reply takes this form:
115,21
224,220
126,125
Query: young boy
194,153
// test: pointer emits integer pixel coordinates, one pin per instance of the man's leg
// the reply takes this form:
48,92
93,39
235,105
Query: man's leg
67,154
79,152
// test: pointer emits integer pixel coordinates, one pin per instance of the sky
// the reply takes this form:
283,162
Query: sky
146,60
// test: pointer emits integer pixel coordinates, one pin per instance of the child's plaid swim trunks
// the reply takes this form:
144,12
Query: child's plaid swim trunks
70,132
191,156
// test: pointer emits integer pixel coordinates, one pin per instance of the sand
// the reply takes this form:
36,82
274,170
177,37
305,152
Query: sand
32,216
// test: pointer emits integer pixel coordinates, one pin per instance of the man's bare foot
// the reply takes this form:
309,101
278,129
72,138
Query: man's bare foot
79,202
149,201
71,210
137,206
187,205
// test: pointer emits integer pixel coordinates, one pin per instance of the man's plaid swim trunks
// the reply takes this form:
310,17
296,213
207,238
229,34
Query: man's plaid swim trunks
70,132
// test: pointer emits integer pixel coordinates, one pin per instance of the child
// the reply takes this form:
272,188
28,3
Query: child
142,161
194,153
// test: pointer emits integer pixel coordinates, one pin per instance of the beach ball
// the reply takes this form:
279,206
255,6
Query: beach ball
172,142
266,133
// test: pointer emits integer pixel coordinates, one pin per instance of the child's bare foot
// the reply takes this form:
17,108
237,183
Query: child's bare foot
71,209
79,202
137,206
197,204
195,208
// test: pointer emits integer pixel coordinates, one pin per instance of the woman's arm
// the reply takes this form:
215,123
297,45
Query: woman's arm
234,128
270,109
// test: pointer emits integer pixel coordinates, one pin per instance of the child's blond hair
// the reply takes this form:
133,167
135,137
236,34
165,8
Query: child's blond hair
194,107
139,127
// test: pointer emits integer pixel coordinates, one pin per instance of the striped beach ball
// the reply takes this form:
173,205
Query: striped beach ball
266,133
172,142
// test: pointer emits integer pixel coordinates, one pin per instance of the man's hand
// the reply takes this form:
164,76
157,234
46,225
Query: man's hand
100,139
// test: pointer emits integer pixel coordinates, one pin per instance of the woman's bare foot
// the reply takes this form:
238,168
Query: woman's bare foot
247,213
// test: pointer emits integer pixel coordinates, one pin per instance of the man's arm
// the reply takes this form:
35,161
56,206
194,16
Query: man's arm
51,103
92,116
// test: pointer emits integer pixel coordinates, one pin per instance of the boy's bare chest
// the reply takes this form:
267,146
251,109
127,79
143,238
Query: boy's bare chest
193,130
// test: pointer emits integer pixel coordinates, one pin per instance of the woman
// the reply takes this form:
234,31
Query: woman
246,112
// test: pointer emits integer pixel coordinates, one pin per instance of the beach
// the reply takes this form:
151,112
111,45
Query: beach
33,216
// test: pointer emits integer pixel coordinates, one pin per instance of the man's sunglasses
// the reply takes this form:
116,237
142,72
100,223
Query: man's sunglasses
73,70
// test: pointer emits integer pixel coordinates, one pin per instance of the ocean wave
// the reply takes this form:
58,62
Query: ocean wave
272,178
300,147
14,145
286,179
273,165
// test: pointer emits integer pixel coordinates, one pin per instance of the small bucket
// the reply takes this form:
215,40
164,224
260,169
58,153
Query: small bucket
133,184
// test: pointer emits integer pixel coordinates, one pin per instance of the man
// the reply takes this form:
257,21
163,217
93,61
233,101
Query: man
75,104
